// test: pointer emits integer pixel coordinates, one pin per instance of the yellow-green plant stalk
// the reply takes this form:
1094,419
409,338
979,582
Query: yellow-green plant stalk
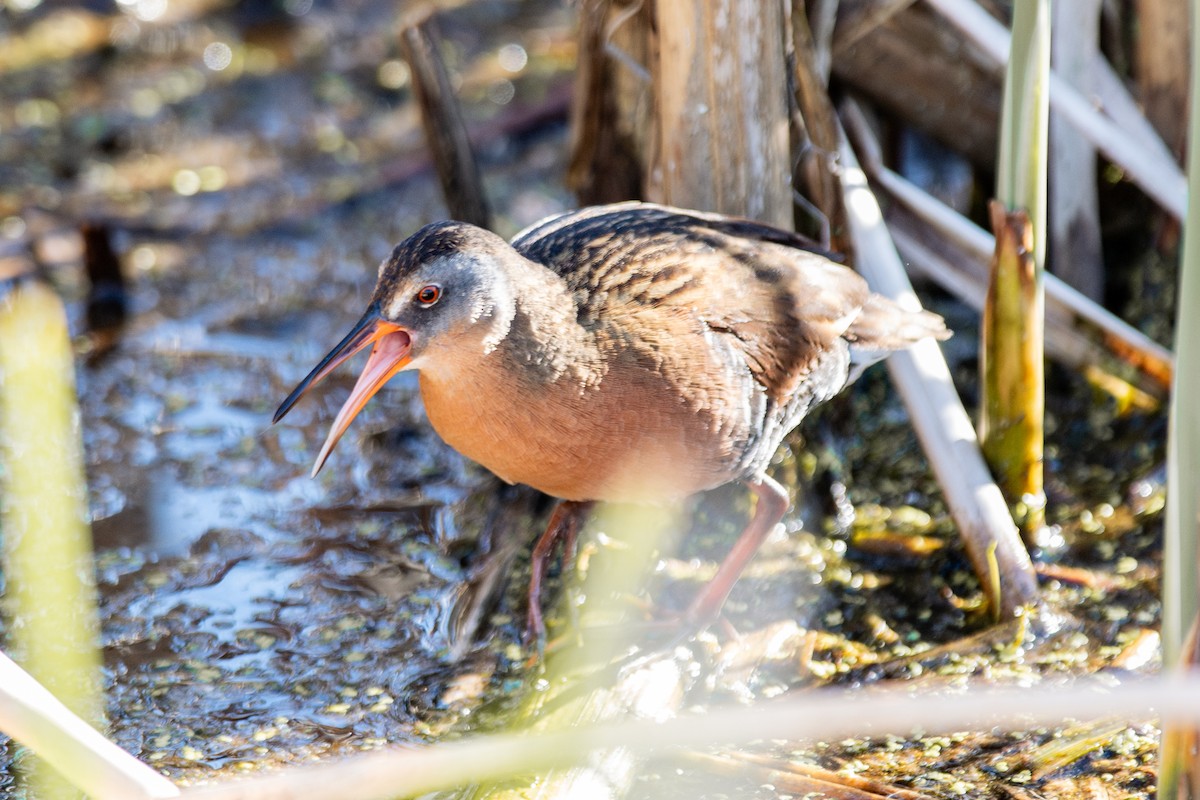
591,674
1011,339
1179,775
48,567
1012,366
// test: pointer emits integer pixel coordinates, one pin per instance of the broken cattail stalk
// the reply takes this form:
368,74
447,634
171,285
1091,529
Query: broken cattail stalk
816,169
1122,340
1011,364
107,301
943,427
1070,339
948,248
721,109
1012,354
108,298
609,118
445,132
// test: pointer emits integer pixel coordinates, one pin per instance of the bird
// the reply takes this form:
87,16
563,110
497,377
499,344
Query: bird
630,352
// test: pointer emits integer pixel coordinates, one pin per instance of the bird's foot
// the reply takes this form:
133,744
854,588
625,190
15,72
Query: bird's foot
535,627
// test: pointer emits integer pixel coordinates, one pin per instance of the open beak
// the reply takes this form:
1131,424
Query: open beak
390,354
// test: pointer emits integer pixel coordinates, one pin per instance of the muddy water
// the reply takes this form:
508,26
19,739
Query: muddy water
253,165
253,613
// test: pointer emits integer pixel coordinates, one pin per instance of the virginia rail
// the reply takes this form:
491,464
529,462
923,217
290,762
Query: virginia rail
629,353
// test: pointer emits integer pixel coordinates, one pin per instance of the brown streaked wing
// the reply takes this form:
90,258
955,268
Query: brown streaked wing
652,277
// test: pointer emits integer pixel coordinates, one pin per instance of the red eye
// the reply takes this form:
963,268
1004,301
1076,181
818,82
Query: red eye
428,295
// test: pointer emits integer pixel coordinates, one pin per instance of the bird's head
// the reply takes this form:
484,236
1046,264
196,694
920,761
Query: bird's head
441,296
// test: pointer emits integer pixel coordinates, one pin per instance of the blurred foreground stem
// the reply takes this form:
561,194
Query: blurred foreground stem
591,674
50,596
1179,771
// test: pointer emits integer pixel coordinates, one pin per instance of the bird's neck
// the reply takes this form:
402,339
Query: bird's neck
546,343
534,379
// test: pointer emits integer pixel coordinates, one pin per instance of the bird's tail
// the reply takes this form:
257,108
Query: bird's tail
883,327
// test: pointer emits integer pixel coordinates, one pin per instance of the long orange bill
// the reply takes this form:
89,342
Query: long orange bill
390,354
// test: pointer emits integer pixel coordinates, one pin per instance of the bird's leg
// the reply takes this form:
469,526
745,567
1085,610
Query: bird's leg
564,524
768,510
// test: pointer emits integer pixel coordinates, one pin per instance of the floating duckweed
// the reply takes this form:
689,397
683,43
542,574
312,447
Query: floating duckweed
351,622
263,734
258,639
912,517
1115,613
204,673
